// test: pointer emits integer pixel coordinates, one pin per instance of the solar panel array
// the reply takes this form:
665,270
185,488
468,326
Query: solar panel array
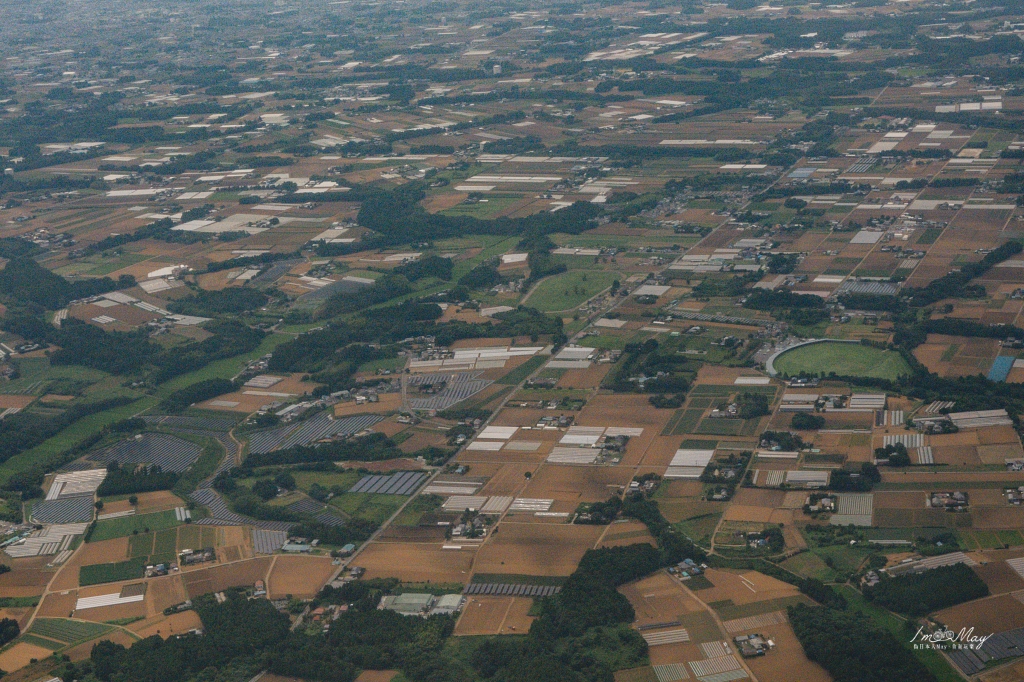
510,590
219,512
309,431
268,541
202,423
64,510
1003,645
402,483
459,387
170,453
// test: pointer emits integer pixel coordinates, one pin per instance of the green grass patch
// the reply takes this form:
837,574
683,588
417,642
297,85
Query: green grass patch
129,525
687,422
41,641
140,545
570,289
698,582
522,371
844,559
929,235
726,610
721,427
809,565
166,541
109,573
367,506
393,364
932,660
843,359
18,602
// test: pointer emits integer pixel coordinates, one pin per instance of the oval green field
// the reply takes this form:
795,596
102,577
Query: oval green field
843,359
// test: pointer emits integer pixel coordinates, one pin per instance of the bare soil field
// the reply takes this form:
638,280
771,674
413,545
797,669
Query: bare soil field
165,626
164,592
999,577
160,500
994,614
998,517
58,604
759,497
577,484
535,549
20,655
415,562
590,377
738,512
508,479
494,616
680,488
217,578
659,598
900,500
299,576
661,450
624,533
20,614
90,553
744,587
787,661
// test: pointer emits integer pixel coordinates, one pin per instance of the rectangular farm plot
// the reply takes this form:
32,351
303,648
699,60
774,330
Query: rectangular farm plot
688,463
535,549
658,599
485,615
415,562
577,484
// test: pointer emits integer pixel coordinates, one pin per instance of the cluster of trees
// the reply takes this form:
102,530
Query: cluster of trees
822,593
9,629
860,480
957,284
752,405
896,454
807,421
916,594
179,400
428,266
373,447
645,359
205,303
129,480
878,302
852,648
397,217
600,513
25,430
23,280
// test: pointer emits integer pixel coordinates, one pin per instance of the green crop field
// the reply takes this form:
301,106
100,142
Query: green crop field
367,506
66,630
109,573
128,525
843,359
570,289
